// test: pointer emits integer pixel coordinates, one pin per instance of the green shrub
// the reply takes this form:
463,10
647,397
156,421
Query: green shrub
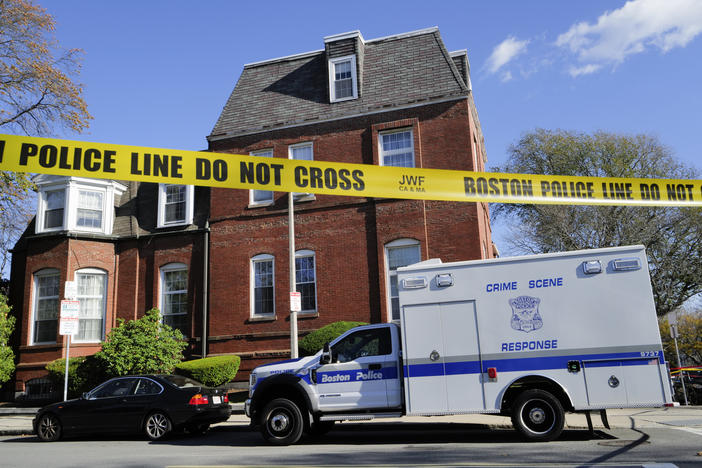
313,342
84,374
7,357
57,369
143,346
211,371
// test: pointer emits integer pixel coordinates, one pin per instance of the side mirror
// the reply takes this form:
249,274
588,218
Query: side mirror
326,357
85,396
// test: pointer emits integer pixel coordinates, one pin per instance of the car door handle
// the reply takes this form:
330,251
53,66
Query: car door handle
374,366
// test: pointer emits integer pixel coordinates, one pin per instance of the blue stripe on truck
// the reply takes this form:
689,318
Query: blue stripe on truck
529,364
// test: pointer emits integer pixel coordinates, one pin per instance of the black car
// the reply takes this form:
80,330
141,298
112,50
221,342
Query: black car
154,404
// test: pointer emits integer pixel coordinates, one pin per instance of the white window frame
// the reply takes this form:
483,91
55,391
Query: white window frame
189,206
72,186
265,153
46,272
171,267
103,273
298,196
332,78
77,207
252,281
382,153
399,243
43,205
305,254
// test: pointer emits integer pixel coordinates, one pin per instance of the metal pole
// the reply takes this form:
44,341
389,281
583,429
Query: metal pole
205,286
293,286
65,376
674,333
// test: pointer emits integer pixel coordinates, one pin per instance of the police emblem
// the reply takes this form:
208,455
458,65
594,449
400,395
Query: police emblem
525,313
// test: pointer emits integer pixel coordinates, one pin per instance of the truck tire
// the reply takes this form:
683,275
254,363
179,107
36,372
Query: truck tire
282,422
537,415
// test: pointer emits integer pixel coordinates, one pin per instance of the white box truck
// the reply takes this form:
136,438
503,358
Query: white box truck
530,337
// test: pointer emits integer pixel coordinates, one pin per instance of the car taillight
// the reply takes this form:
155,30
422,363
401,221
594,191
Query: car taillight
225,398
199,399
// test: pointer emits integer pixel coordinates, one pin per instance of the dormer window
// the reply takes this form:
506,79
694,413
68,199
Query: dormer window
175,205
76,204
342,78
54,203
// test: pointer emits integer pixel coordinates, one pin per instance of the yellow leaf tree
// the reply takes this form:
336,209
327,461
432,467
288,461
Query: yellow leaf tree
38,97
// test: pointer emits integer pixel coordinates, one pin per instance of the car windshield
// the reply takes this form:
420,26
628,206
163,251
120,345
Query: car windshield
180,381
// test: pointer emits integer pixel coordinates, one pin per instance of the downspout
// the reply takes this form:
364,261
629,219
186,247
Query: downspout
205,286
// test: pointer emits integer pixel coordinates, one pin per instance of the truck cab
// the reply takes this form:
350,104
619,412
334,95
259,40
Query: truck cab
357,374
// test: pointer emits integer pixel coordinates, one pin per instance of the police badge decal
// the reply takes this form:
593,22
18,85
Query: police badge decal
525,313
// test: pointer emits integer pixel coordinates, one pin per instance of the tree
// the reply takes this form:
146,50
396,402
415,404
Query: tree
7,357
689,341
37,96
671,235
143,346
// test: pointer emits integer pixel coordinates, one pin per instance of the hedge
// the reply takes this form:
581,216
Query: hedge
313,342
211,371
84,374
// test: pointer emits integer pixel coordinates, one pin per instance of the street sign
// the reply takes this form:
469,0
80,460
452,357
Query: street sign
70,290
295,301
68,324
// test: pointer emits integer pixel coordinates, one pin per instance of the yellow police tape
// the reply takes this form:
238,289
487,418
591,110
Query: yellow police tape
122,162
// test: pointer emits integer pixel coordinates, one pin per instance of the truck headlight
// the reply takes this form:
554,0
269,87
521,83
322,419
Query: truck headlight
252,383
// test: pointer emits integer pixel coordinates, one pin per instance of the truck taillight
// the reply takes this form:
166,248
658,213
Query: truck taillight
225,398
199,399
492,372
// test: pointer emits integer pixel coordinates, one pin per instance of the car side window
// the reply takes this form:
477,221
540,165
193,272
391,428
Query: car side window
147,387
114,388
371,342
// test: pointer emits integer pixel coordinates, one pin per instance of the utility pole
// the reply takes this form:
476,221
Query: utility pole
293,285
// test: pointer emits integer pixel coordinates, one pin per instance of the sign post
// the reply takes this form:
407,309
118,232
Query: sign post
674,334
68,326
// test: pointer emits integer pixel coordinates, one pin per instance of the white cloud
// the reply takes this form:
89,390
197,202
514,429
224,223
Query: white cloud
584,70
504,52
634,28
506,76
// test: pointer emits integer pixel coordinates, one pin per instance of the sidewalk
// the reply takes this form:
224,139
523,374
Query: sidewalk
18,421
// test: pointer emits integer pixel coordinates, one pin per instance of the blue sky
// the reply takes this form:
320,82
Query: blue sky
157,73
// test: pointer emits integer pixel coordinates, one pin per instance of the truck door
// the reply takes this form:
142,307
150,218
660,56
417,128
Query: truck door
363,368
442,358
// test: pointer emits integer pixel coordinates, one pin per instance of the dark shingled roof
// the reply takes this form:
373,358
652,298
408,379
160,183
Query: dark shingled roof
397,71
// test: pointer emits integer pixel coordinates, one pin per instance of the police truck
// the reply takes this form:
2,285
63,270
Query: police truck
529,337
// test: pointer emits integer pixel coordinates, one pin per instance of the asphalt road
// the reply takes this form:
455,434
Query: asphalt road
378,444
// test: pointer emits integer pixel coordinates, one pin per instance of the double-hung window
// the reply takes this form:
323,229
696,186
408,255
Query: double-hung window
396,148
306,280
342,78
261,197
46,306
54,204
90,207
175,205
399,253
174,296
91,296
302,152
263,286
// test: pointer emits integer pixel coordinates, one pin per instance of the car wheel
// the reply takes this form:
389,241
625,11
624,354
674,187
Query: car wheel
157,426
282,422
197,429
49,428
538,415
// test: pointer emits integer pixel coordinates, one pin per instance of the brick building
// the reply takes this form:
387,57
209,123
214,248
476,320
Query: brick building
401,100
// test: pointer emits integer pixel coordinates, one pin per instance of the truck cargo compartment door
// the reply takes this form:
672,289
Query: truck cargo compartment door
624,382
442,358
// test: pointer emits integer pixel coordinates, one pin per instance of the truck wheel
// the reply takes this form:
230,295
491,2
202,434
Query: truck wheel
538,415
282,422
